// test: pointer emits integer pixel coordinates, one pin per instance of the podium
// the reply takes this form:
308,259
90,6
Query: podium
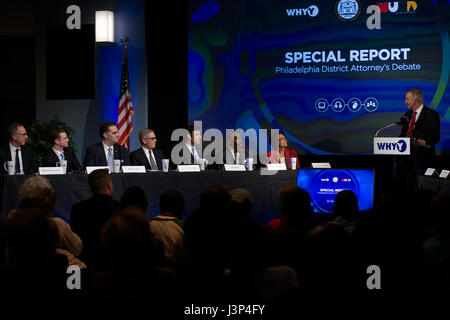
394,146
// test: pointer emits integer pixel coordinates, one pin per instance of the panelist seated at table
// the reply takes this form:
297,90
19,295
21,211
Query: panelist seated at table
235,151
283,153
148,155
61,151
105,152
192,150
16,151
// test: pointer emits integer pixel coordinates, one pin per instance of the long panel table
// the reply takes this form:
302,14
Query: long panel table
72,188
436,184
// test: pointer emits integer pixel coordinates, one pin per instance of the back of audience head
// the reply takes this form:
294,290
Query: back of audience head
440,206
215,200
241,202
296,205
37,192
171,203
100,182
127,240
134,197
327,246
346,205
32,239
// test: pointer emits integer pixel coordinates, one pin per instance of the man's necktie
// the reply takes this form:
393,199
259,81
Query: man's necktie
196,159
110,159
62,156
411,124
17,165
153,164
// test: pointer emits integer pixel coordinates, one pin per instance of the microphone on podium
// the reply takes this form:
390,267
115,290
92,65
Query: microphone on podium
403,122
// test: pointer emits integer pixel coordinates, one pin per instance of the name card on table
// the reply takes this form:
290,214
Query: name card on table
234,167
444,174
276,166
188,168
431,172
90,169
133,169
321,165
50,170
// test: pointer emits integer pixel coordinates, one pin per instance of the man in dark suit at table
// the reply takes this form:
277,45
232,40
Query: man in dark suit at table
89,216
192,150
105,152
148,155
61,151
16,151
423,127
235,151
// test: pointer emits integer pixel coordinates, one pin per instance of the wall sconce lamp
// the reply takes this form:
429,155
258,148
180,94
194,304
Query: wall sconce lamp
104,26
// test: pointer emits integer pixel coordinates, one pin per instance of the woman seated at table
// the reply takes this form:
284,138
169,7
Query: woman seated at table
283,154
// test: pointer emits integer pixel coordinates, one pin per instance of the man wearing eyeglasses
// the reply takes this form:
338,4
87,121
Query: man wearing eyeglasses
148,155
105,152
16,151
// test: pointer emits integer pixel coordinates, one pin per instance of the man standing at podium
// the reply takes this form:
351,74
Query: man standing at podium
423,127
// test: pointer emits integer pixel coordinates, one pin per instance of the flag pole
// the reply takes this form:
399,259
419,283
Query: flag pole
124,41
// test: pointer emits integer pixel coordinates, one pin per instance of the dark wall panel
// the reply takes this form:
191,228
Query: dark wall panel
167,69
18,94
70,61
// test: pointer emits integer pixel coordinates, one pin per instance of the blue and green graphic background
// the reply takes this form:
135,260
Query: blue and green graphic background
235,46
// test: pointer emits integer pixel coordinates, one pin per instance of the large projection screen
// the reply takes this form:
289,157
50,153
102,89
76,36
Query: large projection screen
317,70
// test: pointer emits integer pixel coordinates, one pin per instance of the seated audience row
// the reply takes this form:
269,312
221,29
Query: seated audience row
220,252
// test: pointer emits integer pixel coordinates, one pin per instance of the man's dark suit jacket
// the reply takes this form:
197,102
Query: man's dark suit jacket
95,155
27,158
87,220
50,160
187,156
427,127
138,158
227,155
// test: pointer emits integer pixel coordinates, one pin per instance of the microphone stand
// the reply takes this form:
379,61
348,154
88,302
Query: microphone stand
385,127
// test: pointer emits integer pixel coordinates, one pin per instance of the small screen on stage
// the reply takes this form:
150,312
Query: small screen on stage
323,185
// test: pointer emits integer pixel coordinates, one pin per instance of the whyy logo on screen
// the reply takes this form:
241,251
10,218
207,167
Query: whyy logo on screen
311,11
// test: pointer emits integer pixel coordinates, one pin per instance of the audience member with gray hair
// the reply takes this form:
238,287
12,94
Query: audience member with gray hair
37,193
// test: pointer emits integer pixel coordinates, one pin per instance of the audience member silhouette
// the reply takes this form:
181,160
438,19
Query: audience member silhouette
207,238
437,248
134,197
129,247
286,243
391,237
33,269
346,211
331,266
37,193
89,216
167,226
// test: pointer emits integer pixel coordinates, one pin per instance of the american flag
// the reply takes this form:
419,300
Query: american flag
124,123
